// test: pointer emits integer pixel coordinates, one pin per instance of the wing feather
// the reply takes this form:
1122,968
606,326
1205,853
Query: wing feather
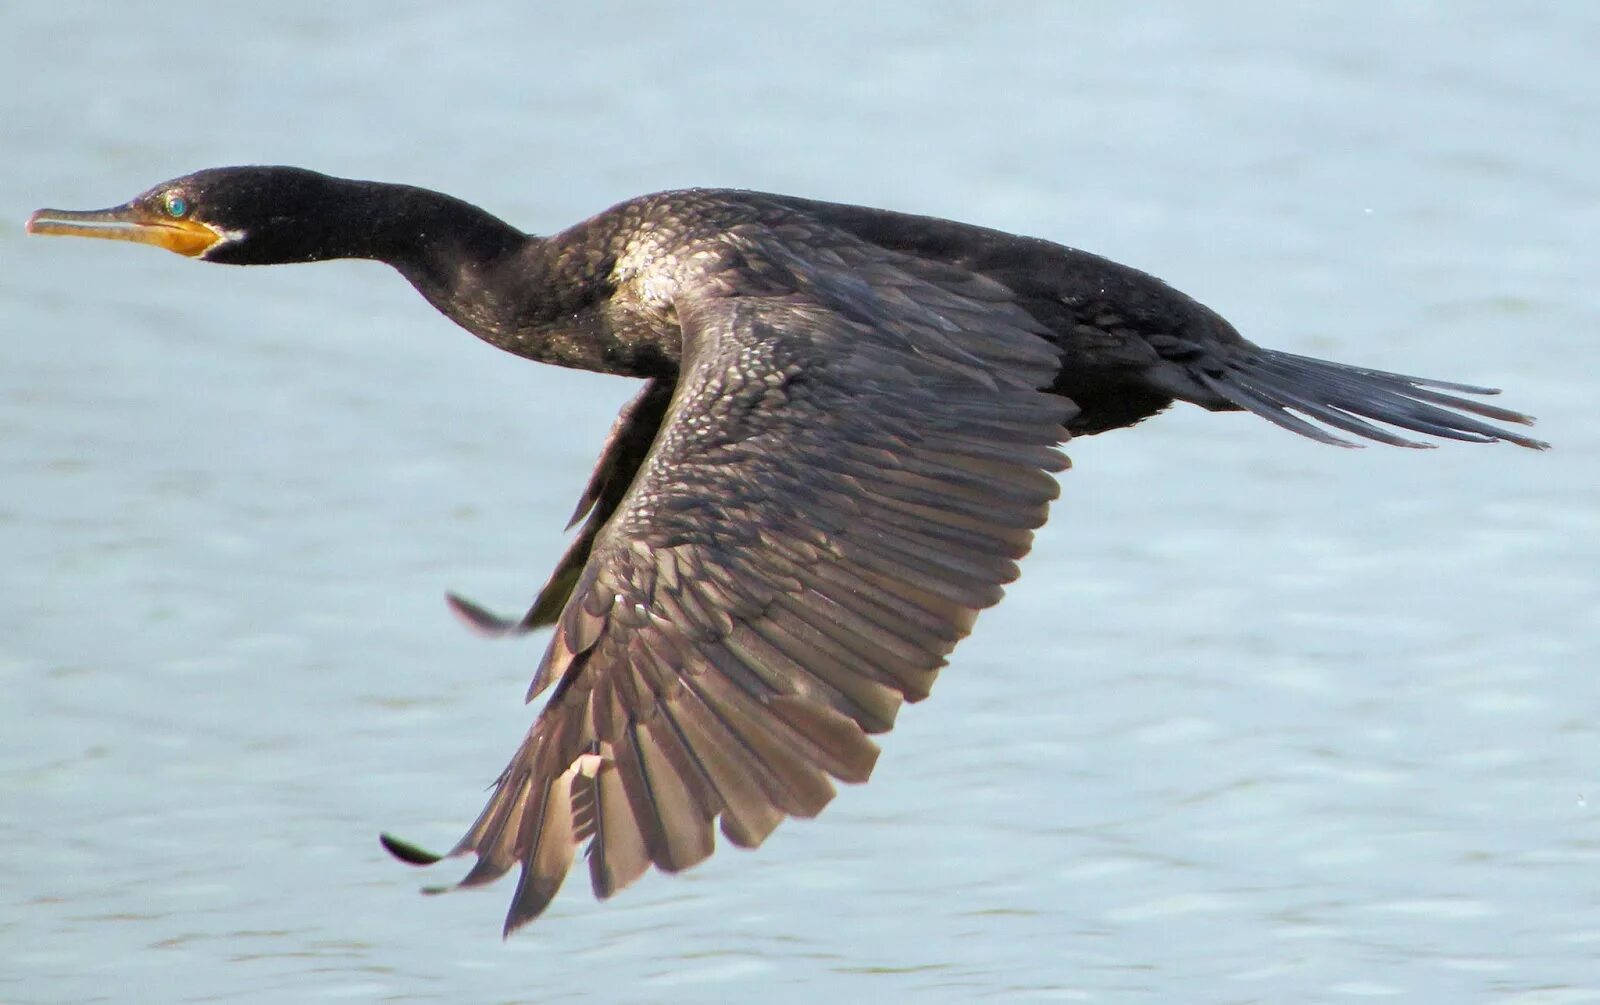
776,555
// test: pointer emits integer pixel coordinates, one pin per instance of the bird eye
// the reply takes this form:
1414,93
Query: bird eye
176,205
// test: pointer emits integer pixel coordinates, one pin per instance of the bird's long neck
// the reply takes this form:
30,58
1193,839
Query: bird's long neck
542,298
464,260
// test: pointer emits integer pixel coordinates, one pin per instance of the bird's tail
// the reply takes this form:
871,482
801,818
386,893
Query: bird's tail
1276,385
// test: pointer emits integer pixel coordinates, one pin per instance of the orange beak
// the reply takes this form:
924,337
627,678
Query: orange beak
129,222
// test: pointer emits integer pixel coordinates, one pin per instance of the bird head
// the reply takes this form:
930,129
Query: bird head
237,215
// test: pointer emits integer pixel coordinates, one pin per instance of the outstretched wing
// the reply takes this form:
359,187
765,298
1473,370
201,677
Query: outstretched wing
853,459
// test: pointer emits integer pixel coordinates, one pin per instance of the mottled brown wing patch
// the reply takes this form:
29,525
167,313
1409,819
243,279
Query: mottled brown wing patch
845,475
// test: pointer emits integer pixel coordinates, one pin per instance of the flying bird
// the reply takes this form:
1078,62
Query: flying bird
846,436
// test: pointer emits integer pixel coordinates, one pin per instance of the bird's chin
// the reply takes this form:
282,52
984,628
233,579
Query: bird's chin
189,238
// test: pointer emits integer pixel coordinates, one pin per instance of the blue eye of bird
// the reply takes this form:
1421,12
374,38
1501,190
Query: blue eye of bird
177,205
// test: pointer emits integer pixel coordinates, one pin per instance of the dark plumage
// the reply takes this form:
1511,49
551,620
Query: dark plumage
843,446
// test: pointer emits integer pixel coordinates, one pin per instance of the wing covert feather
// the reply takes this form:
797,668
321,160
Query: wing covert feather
846,472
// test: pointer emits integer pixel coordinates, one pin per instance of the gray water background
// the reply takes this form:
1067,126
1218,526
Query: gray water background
1263,721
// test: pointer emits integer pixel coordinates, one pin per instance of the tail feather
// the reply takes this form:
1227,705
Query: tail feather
1277,385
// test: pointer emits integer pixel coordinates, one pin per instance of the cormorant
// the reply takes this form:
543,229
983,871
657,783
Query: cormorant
845,440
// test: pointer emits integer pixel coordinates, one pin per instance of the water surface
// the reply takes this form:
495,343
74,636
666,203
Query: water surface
1263,721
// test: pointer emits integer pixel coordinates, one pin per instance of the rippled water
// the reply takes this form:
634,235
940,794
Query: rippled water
1263,721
